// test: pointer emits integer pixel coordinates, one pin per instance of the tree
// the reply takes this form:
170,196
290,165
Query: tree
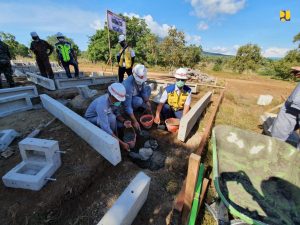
192,55
172,48
10,40
248,57
52,40
218,64
22,50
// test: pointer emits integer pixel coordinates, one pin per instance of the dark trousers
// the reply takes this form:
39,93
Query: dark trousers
45,67
66,66
122,71
6,69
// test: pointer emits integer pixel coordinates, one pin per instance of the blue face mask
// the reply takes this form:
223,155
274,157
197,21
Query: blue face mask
180,83
117,104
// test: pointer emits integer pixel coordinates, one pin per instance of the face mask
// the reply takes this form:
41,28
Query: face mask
180,83
117,104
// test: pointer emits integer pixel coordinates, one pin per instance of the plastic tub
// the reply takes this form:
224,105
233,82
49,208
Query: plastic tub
147,120
172,124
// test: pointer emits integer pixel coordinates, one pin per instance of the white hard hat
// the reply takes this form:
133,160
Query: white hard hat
140,73
182,73
34,34
58,35
121,38
118,91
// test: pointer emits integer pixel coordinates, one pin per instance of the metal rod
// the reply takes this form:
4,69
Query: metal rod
50,179
62,152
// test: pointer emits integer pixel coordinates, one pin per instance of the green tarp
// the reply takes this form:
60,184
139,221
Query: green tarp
256,176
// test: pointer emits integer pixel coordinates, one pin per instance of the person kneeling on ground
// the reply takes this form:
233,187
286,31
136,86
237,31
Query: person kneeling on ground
176,99
66,55
137,93
104,111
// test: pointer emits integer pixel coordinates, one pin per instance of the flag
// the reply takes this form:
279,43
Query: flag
116,23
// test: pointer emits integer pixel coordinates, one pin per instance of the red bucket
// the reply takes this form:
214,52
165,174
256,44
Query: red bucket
172,124
147,120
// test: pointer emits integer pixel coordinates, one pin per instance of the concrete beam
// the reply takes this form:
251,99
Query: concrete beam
40,80
13,104
98,139
31,91
127,206
188,121
73,82
6,137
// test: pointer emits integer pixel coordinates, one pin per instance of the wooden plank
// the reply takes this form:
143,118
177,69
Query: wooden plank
203,191
206,134
179,201
191,180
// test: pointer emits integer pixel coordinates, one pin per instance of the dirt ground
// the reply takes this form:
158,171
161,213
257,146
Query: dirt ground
87,185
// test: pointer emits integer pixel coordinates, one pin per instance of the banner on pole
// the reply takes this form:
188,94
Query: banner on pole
116,23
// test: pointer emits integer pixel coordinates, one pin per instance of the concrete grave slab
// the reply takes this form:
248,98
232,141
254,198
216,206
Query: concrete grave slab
6,137
73,82
15,103
40,80
41,158
98,139
188,121
31,91
127,206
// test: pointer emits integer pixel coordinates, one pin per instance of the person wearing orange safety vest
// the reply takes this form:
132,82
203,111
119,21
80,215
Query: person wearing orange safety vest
176,99
125,58
104,112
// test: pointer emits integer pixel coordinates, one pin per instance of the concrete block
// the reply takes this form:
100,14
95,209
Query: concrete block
13,104
31,91
85,92
6,137
62,75
39,150
264,100
40,80
127,206
98,139
188,121
41,158
73,82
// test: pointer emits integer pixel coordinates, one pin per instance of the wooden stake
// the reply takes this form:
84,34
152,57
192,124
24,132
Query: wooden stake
191,180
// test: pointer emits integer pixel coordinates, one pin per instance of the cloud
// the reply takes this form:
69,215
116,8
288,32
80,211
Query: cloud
213,8
159,29
202,26
193,39
275,52
53,18
162,29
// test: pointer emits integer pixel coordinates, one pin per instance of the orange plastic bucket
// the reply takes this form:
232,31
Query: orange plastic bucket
147,120
172,124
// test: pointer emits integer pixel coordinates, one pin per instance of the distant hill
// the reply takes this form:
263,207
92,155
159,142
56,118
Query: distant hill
215,54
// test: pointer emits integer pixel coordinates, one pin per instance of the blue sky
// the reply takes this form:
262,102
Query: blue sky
218,25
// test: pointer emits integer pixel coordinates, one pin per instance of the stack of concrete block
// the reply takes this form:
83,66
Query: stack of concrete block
127,206
6,137
40,160
16,99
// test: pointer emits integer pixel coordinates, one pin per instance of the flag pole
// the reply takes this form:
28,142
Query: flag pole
109,47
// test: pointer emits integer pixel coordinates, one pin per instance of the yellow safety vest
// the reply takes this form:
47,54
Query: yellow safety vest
127,57
175,101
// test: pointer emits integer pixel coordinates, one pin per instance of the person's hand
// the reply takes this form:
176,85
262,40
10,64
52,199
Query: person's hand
157,119
149,106
125,146
127,124
136,125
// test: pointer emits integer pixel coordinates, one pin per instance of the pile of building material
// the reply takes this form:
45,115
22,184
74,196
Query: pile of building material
201,77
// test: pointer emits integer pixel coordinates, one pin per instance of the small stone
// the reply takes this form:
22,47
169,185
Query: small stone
145,153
